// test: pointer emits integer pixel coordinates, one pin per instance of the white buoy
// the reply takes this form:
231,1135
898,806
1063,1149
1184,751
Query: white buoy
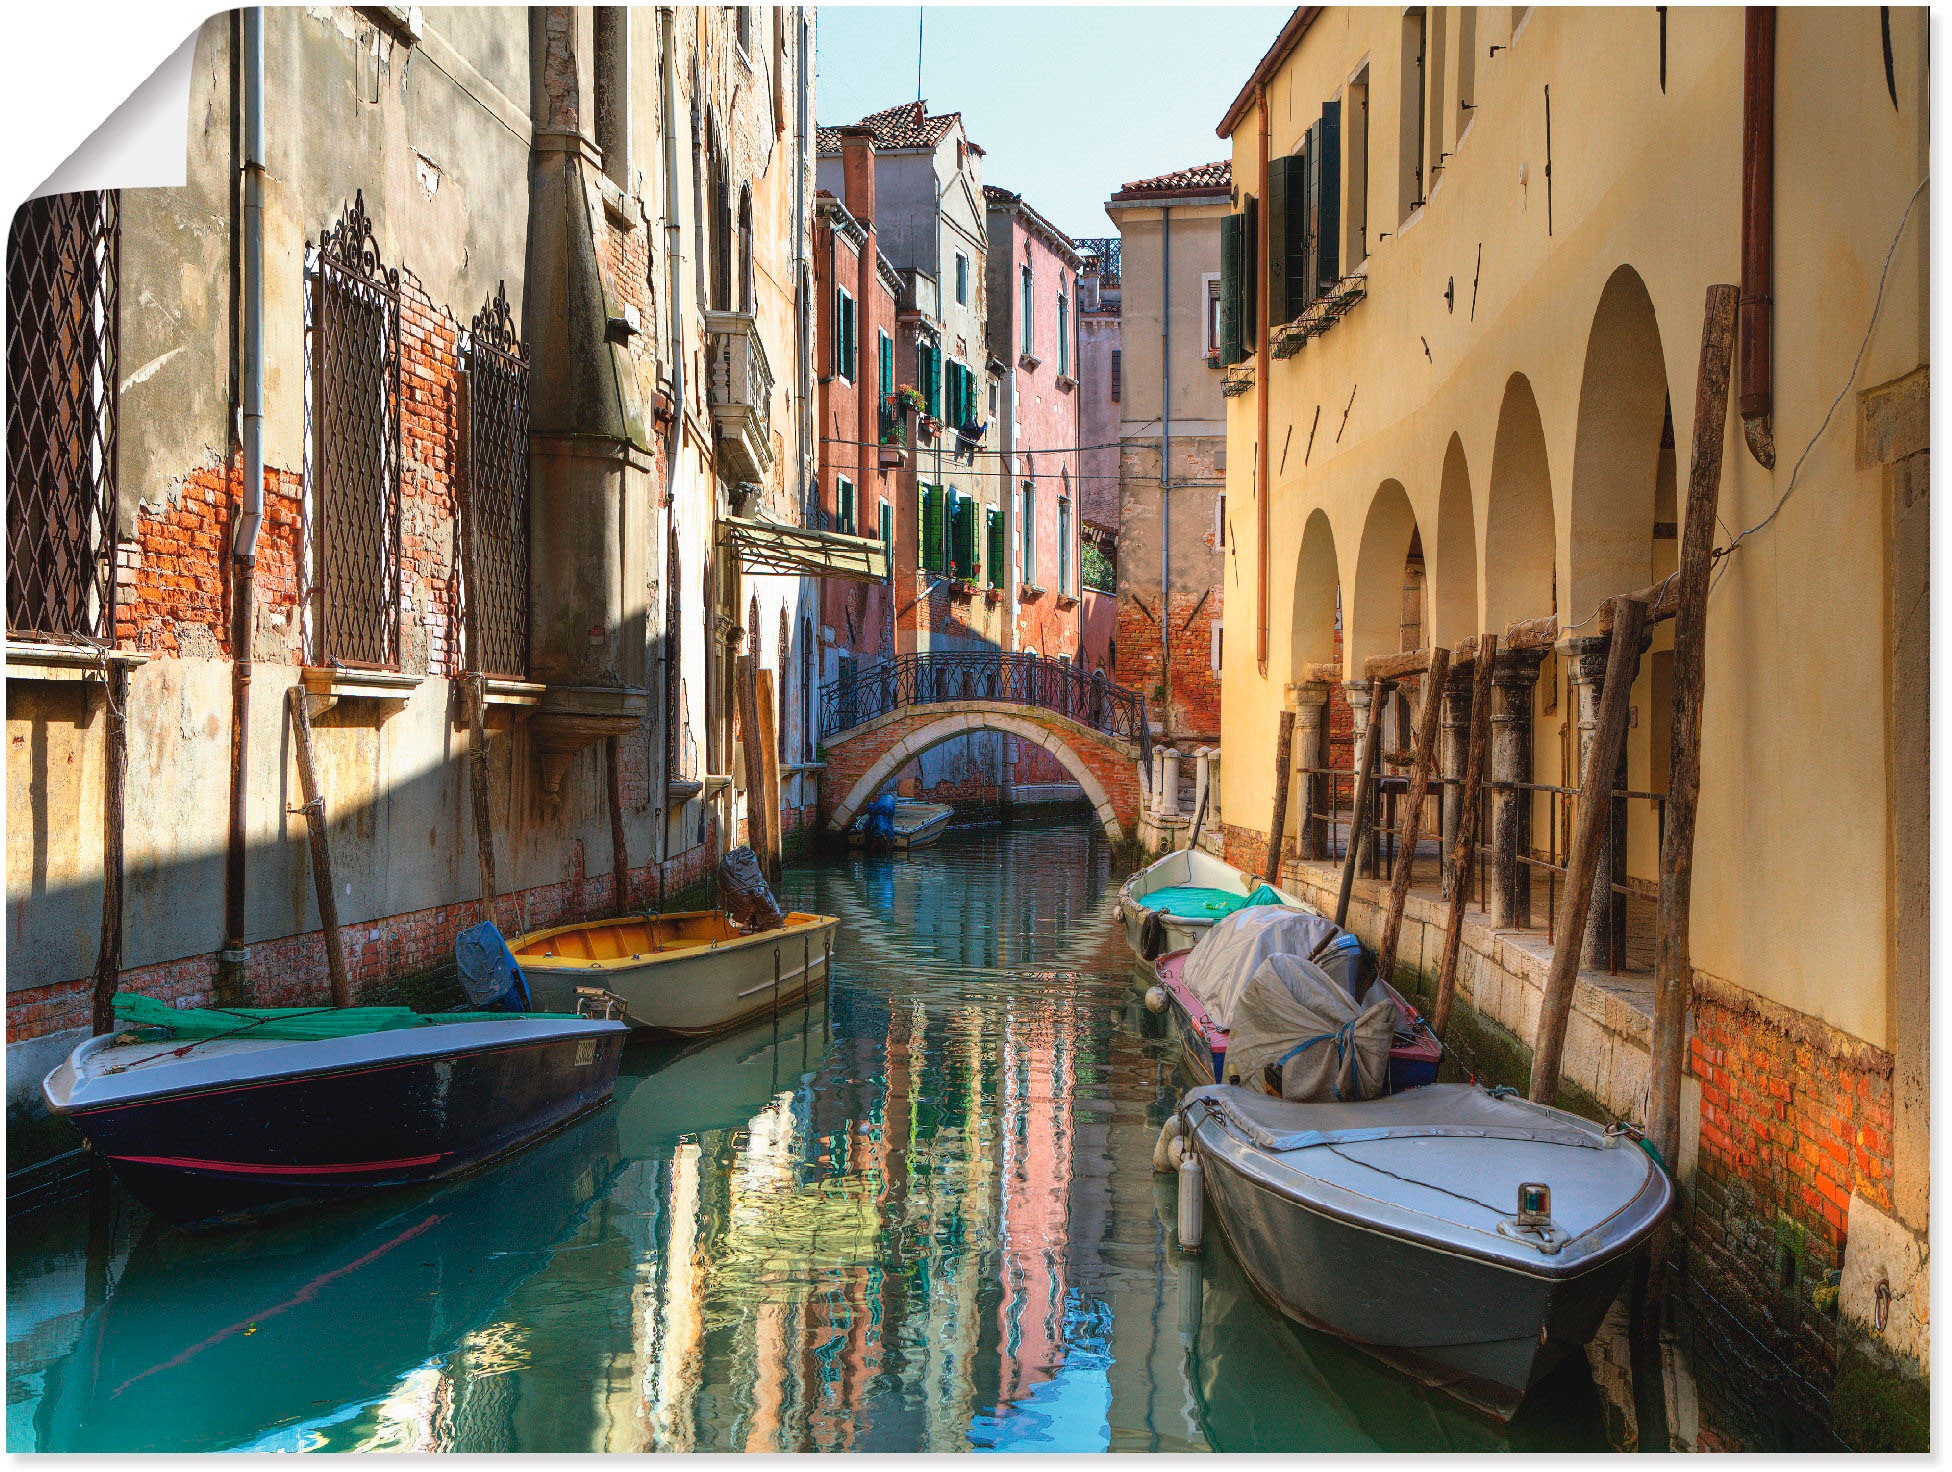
1164,1161
1155,999
1192,1203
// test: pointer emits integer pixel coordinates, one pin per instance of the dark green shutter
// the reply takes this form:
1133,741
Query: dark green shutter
993,527
847,508
1250,273
1230,262
925,520
888,536
1325,196
1281,191
887,345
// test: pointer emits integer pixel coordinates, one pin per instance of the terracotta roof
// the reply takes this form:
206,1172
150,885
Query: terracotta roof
1216,178
906,125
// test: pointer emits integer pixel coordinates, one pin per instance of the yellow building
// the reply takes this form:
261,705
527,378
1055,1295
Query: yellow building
1466,312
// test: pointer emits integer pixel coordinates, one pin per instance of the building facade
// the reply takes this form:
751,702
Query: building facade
1461,346
1101,366
1173,527
512,308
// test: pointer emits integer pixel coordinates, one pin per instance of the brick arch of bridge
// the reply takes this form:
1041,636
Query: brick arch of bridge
863,760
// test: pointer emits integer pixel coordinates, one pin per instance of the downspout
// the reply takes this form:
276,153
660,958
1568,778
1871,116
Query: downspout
244,549
673,235
1758,228
1263,492
1165,470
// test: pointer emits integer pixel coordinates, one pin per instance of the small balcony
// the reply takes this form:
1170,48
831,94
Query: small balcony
742,396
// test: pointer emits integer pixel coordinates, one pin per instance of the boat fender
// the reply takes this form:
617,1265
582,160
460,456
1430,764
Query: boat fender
1192,1203
1155,999
1163,1160
1152,936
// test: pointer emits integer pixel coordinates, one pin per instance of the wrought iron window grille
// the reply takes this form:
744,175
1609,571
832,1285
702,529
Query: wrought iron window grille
494,503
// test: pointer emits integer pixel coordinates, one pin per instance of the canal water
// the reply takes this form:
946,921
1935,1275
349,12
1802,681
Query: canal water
917,1214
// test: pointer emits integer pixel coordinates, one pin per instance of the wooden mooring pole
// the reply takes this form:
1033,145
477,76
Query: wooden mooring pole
613,765
314,810
484,822
1673,966
108,959
767,708
1359,814
754,747
1284,746
1467,828
1589,838
1406,850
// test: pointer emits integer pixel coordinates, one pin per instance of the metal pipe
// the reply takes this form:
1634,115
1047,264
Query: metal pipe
673,236
1165,469
1758,227
244,549
1263,492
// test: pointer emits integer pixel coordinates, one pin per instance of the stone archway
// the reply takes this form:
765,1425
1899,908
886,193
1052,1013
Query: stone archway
1105,768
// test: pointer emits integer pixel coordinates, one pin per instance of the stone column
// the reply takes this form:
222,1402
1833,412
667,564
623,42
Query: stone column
1202,780
1586,666
1457,738
1307,791
1169,790
1511,812
1360,693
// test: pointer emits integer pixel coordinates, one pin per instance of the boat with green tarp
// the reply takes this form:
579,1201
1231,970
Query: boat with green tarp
1168,905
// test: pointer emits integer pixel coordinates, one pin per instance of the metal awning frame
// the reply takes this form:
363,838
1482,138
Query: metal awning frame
795,551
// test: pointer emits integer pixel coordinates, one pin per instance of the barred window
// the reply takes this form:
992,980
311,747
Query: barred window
495,502
356,446
63,261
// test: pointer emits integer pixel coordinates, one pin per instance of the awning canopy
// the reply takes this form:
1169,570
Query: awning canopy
765,546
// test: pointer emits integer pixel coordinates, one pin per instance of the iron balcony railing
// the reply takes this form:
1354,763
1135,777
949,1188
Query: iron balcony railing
1012,679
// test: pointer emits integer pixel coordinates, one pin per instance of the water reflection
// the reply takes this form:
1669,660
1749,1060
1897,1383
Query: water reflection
917,1214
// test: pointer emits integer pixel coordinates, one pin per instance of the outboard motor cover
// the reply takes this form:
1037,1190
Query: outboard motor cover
1299,1034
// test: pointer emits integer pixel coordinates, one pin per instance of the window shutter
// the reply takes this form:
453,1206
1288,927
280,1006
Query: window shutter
1118,373
1063,546
1281,190
1325,195
925,520
847,507
993,527
887,365
1250,268
1230,262
888,536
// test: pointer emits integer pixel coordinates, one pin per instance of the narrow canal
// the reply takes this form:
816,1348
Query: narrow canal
916,1215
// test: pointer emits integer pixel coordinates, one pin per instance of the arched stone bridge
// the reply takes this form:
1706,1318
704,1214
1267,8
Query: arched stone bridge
875,721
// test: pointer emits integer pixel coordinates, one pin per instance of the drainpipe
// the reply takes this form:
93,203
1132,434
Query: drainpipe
1758,227
1264,493
1165,470
244,550
673,276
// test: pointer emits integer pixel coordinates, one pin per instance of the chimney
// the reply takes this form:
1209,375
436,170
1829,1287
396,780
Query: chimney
857,171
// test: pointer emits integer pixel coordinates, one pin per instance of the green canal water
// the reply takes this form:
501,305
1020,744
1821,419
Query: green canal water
917,1214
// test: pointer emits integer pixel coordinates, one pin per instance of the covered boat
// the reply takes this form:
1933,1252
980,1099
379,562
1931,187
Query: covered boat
213,1114
1171,903
689,973
910,824
1467,1237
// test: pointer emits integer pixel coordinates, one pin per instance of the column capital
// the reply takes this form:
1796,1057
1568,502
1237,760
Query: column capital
1305,696
1517,669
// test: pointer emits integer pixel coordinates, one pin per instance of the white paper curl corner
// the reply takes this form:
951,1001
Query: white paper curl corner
144,143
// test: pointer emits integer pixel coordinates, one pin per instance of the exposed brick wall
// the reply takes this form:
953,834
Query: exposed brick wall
1195,694
1795,1118
385,958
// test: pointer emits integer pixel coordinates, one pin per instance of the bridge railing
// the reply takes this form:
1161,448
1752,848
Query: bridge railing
937,678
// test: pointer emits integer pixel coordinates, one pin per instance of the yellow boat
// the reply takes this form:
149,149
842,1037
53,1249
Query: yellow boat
690,973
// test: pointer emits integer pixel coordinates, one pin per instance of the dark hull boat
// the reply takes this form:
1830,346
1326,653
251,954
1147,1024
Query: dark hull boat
1407,1225
227,1127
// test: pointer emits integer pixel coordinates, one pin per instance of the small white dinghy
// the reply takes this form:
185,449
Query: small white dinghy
1171,903
1470,1238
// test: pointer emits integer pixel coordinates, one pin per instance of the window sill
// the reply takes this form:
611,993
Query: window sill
715,783
1066,382
678,793
516,697
1027,592
1029,361
1066,602
28,660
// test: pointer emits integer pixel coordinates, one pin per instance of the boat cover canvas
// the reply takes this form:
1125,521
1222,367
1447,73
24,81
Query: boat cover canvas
1296,1026
1231,952
1442,1111
489,974
297,1024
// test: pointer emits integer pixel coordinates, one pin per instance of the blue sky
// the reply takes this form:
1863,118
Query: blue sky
1068,102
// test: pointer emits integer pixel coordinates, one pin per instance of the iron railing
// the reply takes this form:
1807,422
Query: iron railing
356,418
495,505
936,678
63,265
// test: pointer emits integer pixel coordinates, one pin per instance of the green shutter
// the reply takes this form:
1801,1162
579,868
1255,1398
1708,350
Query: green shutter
925,522
847,507
1325,196
1230,262
962,537
1250,272
1063,546
887,365
1028,531
1288,244
993,528
888,536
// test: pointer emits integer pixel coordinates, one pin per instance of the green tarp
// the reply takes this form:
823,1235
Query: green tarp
1194,902
297,1024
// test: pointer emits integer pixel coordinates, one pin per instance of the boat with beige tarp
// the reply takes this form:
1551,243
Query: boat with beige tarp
689,973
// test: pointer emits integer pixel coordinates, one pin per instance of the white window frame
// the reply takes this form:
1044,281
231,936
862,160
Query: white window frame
962,279
844,491
1210,310
842,294
1219,644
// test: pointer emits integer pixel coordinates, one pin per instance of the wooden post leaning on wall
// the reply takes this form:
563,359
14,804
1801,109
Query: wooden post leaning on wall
768,711
613,771
753,746
108,959
1588,840
1423,762
1673,966
1372,735
1284,745
484,822
1470,798
314,810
